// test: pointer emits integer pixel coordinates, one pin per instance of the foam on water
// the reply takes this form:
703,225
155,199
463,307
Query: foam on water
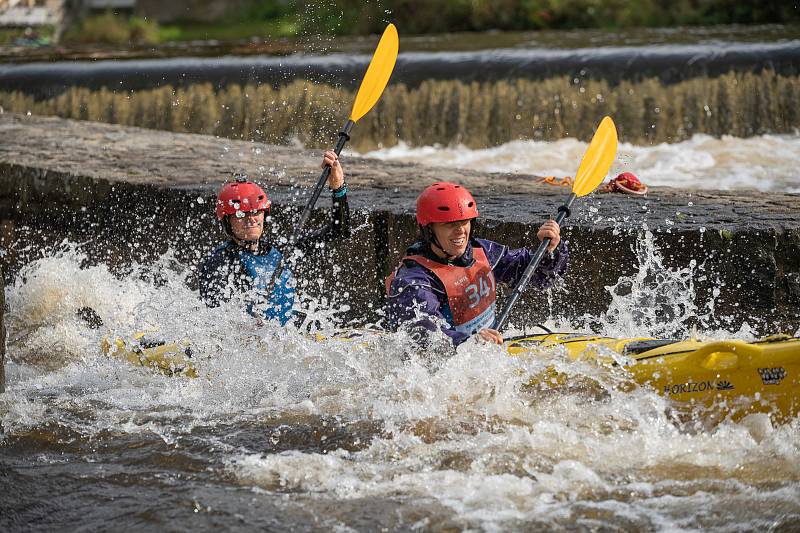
545,471
765,162
463,432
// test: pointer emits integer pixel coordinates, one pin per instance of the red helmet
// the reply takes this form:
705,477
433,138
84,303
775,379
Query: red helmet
241,195
445,202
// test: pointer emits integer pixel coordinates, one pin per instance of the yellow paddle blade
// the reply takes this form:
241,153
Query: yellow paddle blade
597,159
378,72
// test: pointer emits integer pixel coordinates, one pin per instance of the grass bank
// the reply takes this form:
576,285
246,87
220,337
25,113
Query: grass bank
290,18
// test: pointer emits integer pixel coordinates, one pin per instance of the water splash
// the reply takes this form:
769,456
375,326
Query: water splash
658,300
327,423
655,300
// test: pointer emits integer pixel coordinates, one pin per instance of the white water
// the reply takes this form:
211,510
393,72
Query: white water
466,437
765,163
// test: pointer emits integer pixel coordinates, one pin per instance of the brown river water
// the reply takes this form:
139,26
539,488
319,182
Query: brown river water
282,432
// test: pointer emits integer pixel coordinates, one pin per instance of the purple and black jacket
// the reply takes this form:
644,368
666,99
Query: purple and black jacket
416,292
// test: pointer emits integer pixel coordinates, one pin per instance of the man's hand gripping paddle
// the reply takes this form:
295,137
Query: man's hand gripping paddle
372,86
594,167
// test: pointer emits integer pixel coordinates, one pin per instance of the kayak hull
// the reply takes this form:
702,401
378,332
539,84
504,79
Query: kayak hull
730,377
170,358
723,378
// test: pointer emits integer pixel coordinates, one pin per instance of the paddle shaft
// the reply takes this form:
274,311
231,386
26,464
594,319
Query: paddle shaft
563,212
344,136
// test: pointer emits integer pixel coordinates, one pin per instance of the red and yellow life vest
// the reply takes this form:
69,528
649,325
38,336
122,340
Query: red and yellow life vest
471,292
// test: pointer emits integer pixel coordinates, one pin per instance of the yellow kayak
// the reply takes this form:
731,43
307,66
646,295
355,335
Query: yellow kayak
730,377
170,358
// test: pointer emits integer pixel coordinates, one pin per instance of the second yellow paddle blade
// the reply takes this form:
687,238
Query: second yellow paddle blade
378,72
597,159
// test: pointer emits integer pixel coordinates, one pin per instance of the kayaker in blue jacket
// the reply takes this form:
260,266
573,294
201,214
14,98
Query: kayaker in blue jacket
446,280
243,265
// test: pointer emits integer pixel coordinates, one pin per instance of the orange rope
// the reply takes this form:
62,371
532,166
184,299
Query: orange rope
566,181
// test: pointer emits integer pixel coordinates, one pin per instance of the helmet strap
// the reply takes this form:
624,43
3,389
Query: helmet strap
429,237
226,227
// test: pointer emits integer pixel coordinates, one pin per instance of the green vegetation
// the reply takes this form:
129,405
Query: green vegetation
286,18
236,30
40,36
356,17
255,19
113,29
435,16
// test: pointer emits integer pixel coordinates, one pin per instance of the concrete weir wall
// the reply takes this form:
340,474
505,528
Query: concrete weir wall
130,195
2,334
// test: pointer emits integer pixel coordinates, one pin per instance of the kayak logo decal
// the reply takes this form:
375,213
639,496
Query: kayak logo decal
772,376
689,386
724,385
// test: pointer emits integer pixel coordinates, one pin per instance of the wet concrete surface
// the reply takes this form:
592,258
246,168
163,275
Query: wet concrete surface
130,194
2,333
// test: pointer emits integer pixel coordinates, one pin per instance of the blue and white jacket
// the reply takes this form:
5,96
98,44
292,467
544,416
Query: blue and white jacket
233,271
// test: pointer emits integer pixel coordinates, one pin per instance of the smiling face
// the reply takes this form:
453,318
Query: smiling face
248,227
452,237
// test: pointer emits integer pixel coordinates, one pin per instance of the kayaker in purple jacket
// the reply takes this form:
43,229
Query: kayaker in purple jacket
447,278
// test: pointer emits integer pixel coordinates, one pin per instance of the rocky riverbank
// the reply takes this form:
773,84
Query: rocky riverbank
130,194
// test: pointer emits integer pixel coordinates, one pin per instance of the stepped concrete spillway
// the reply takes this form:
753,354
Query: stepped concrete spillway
129,195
